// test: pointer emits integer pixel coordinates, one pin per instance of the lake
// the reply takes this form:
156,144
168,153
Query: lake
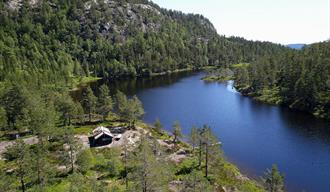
254,135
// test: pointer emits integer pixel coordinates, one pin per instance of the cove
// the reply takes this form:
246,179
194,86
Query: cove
254,135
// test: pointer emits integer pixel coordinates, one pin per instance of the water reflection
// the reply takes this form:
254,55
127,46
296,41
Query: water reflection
308,126
255,135
132,86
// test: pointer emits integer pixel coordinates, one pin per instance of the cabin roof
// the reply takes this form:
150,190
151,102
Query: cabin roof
99,131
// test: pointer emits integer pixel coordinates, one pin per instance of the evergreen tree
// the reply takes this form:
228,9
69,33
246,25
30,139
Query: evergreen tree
3,119
85,160
7,182
148,174
129,109
14,101
176,131
211,149
158,126
113,161
195,182
22,161
89,102
79,182
194,137
67,108
105,103
136,110
273,180
121,103
72,146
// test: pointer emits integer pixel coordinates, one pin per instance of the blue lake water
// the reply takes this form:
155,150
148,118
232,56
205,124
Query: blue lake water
254,135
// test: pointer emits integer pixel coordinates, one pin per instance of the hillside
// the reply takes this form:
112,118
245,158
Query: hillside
56,42
48,47
297,79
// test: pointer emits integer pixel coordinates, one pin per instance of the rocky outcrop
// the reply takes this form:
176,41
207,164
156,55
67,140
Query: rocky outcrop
17,4
118,20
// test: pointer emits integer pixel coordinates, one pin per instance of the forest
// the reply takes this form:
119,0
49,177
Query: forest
299,79
55,42
49,47
51,156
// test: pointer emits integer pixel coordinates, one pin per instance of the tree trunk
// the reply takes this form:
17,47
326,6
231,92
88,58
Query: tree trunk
145,186
71,159
41,147
38,168
206,159
200,154
22,183
125,164
194,184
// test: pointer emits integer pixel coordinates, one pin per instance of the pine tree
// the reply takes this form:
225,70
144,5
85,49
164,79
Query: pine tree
158,126
72,146
129,109
105,103
3,119
67,108
194,137
273,180
85,160
195,182
7,182
40,118
136,110
148,173
89,102
121,103
176,131
14,102
113,162
211,149
20,152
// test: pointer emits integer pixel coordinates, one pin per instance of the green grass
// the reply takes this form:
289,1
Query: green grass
82,81
219,75
60,187
84,130
227,175
170,72
240,65
214,78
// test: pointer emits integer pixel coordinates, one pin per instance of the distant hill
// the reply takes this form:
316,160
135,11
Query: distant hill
58,41
296,46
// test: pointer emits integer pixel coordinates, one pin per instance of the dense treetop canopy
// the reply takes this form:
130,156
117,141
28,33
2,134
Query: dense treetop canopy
55,41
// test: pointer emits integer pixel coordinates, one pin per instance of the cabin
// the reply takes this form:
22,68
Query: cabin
101,137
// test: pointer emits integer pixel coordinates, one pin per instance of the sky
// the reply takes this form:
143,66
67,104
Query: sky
278,21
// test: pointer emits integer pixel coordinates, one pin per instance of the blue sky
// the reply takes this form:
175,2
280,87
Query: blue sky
279,21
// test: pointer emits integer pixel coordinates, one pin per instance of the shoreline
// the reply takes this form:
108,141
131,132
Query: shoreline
243,174
245,92
83,81
236,174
